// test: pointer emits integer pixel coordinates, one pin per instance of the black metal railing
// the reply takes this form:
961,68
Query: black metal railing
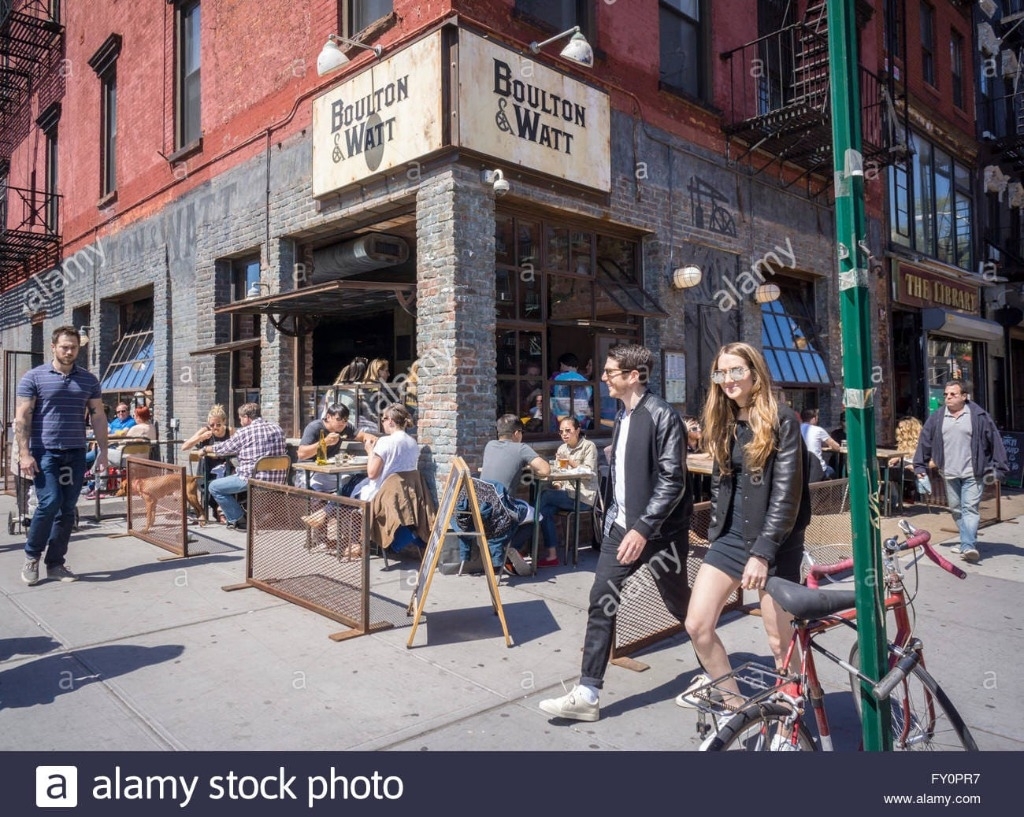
32,211
779,85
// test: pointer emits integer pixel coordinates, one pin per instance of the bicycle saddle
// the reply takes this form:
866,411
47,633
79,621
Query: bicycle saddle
805,603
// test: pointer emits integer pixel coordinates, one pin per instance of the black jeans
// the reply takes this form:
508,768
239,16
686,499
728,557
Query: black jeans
665,558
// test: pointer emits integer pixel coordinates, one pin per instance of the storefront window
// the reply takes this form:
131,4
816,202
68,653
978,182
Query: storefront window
573,292
948,359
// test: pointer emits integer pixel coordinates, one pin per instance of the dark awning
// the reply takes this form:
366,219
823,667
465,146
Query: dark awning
297,312
331,298
230,346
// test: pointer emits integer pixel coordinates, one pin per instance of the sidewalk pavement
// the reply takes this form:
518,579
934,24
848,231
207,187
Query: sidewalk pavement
143,654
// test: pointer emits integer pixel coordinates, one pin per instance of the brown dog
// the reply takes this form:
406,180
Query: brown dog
152,489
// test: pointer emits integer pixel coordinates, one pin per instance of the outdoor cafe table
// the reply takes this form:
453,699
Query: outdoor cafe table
356,465
575,476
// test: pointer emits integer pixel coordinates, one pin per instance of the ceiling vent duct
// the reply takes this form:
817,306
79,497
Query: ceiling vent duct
368,252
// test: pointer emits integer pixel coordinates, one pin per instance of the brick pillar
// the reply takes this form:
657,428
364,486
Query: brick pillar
455,322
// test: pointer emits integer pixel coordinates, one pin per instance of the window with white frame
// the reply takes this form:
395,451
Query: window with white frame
682,36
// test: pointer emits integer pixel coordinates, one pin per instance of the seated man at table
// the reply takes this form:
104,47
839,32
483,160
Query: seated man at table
335,427
816,439
504,460
561,496
118,426
256,438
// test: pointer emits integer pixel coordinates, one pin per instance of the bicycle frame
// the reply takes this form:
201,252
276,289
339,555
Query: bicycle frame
807,685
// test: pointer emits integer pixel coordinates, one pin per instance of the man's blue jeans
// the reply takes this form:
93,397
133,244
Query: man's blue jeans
224,490
58,484
964,497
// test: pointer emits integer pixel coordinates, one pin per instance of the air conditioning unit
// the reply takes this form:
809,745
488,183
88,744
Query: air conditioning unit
368,252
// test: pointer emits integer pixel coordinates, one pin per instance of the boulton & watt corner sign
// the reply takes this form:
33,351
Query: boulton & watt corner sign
385,117
515,109
508,107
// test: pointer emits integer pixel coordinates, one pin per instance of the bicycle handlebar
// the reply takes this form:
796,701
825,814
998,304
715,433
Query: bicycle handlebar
916,537
919,537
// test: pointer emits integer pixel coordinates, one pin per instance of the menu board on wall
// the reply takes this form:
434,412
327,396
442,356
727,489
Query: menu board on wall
1013,441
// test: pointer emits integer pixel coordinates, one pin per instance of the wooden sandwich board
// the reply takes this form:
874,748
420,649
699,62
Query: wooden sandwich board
458,478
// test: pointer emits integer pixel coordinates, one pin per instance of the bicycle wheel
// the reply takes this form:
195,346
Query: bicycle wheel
758,729
923,718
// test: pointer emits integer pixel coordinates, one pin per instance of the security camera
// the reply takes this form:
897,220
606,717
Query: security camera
501,187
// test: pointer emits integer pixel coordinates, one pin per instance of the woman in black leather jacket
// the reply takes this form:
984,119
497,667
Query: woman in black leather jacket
760,505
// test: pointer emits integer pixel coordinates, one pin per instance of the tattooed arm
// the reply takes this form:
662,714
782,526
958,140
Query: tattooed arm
24,407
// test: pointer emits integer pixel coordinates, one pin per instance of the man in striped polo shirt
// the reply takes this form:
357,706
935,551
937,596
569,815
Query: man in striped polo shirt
49,430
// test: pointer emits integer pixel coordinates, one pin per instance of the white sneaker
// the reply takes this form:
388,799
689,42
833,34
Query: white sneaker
572,705
697,694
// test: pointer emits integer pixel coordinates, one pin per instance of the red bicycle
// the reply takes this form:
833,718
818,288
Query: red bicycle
771,717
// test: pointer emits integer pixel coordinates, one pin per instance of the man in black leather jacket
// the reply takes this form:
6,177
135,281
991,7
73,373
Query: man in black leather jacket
648,521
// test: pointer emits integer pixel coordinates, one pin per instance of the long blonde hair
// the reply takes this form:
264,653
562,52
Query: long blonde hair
908,432
763,414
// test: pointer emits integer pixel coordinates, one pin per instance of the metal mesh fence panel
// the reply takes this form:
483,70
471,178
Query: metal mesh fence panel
642,616
156,494
312,549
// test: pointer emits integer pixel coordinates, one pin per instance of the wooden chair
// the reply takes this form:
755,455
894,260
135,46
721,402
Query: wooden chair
278,464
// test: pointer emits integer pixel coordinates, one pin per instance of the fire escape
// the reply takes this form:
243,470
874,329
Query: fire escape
1001,127
781,105
31,36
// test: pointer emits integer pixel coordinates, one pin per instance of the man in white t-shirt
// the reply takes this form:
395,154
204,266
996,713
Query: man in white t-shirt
817,439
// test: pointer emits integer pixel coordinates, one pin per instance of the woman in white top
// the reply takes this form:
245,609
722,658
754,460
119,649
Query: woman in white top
393,453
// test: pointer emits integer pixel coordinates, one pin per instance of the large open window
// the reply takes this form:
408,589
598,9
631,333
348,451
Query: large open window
789,338
562,290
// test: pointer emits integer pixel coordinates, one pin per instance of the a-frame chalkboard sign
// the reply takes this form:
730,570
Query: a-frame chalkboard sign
459,479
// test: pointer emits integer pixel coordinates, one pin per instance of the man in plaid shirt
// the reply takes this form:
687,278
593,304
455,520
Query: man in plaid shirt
255,439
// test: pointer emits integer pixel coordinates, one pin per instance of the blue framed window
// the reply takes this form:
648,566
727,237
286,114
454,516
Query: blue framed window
790,343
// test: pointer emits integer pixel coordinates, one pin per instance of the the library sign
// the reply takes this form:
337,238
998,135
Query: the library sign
383,118
518,111
918,287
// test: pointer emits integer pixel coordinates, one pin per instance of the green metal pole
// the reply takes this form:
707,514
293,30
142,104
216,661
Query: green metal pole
855,314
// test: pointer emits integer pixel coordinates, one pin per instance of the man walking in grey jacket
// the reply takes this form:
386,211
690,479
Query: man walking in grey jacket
962,441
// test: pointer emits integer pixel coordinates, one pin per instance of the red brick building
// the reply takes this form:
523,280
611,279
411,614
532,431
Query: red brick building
233,225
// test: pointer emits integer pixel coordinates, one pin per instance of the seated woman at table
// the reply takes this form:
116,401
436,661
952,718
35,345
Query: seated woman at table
561,496
215,430
908,432
394,452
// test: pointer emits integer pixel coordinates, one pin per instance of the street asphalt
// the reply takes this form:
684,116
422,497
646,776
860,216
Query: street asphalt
150,654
